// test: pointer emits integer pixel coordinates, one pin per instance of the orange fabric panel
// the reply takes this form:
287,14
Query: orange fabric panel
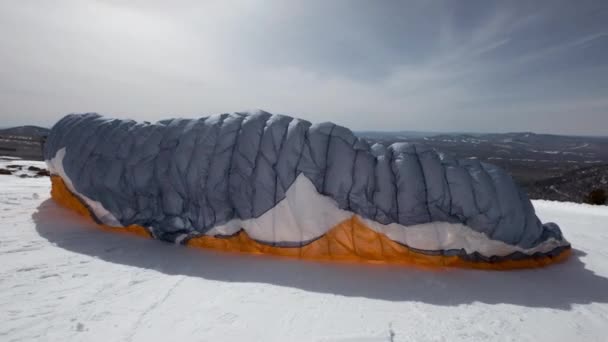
351,241
62,195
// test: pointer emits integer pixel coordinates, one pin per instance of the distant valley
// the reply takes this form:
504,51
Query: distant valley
553,167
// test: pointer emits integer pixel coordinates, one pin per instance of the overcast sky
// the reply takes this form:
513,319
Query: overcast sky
370,65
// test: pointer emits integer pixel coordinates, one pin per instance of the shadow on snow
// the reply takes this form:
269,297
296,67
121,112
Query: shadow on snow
558,286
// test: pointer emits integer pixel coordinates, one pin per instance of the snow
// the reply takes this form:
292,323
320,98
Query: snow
63,279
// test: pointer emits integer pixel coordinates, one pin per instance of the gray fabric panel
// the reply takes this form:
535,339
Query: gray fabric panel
294,157
410,185
314,158
361,195
243,164
488,213
188,175
385,195
511,227
269,151
340,162
217,189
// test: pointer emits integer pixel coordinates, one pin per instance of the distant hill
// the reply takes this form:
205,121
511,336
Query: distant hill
571,186
555,167
526,147
379,135
23,141
25,131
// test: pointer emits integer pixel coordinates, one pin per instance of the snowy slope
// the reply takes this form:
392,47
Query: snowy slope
62,279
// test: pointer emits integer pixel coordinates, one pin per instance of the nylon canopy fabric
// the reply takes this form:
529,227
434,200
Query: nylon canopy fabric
287,183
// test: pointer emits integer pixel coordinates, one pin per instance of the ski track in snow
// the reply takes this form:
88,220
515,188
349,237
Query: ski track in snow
63,279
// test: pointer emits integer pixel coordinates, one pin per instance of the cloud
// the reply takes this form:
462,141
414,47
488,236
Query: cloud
409,65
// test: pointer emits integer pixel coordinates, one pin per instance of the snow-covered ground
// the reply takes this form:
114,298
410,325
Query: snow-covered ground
62,279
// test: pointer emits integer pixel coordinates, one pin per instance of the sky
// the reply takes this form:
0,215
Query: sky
428,65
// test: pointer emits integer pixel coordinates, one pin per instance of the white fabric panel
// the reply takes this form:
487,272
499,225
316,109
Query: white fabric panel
302,215
445,236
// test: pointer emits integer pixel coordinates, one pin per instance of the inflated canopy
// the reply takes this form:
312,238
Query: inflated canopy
265,183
